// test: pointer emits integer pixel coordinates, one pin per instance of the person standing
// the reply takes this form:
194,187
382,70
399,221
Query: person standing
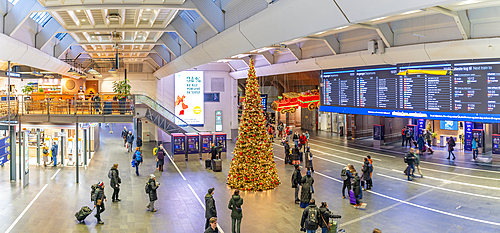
100,198
451,145
219,148
420,143
236,213
210,210
371,172
307,189
296,179
410,159
417,164
160,155
346,177
310,217
296,155
367,169
138,142
124,136
475,149
130,141
214,151
45,151
356,188
303,141
409,136
288,158
307,138
137,158
212,225
114,182
280,129
296,139
309,160
152,186
325,215
403,136
54,150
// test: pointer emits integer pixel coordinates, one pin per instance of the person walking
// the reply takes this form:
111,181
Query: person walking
410,159
303,141
138,142
152,186
409,136
130,141
325,215
114,182
370,182
160,155
475,149
234,205
99,200
451,145
210,210
420,143
212,225
45,151
346,176
296,139
310,217
124,135
54,151
365,177
417,164
296,179
403,136
307,189
137,158
428,137
309,160
307,138
280,129
288,155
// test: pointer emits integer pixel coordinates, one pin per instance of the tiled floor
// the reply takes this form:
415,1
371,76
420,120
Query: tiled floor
457,197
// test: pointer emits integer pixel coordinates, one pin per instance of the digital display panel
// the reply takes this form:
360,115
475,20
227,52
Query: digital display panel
448,125
469,92
189,98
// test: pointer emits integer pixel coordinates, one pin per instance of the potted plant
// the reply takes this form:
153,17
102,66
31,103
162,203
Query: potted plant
27,89
122,91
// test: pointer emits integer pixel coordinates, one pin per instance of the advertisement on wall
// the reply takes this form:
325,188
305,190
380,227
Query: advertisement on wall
4,150
189,98
468,136
496,144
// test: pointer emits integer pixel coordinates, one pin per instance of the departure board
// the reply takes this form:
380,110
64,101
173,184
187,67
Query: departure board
472,87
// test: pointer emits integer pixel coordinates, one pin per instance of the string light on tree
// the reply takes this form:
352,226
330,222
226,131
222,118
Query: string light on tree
253,167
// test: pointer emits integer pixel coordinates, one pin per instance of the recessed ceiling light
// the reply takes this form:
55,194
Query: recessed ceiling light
379,18
94,37
144,19
83,20
78,10
148,9
137,46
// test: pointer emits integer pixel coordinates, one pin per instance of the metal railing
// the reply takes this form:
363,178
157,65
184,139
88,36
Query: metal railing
143,99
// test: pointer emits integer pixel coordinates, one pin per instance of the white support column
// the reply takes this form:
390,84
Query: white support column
211,13
163,53
18,15
172,45
47,33
185,32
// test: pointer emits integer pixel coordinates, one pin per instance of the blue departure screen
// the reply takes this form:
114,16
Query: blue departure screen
448,125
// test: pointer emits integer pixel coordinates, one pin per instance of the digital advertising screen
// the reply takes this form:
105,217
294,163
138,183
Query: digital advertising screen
448,125
454,91
189,98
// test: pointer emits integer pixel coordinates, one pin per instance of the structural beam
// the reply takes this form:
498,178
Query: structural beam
47,33
211,13
296,51
90,17
268,57
383,31
187,5
332,43
63,45
16,17
186,33
163,53
170,17
460,18
172,45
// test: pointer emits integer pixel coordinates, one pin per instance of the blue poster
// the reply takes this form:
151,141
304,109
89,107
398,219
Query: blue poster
420,127
4,150
496,144
468,136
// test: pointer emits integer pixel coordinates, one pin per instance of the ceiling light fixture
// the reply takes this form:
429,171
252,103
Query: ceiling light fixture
113,71
78,10
83,20
148,9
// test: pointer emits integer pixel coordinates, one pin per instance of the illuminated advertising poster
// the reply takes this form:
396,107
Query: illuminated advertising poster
189,98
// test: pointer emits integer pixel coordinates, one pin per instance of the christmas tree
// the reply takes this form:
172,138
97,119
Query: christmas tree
253,167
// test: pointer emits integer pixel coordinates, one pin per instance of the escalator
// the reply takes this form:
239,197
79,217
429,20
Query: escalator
146,107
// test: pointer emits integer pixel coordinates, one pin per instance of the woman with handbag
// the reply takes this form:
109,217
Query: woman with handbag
236,213
324,222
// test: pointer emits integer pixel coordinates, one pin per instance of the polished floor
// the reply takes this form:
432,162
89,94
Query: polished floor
455,196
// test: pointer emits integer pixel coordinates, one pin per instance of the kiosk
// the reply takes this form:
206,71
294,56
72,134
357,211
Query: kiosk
206,139
221,137
179,146
496,144
193,146
378,135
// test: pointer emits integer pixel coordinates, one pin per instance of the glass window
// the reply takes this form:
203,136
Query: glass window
14,2
189,16
173,35
61,36
41,18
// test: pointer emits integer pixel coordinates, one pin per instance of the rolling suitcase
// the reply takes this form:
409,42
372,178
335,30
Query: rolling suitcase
333,226
83,213
208,163
217,166
352,197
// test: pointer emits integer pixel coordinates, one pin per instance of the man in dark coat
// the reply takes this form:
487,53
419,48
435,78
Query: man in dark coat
236,213
307,190
160,155
307,222
213,226
287,153
99,200
54,151
152,187
114,182
130,140
366,174
326,214
296,179
410,159
210,209
356,188
138,142
124,135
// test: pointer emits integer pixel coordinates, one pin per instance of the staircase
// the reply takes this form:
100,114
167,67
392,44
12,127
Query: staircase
160,116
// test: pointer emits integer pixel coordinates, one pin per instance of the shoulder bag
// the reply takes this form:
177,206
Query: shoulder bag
326,223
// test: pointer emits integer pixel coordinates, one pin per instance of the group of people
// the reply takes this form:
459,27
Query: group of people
234,205
352,181
423,142
295,156
53,151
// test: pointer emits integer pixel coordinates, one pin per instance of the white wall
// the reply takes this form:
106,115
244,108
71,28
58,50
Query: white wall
142,83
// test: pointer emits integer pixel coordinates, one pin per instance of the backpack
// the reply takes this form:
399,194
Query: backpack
93,191
370,168
138,156
312,216
45,151
453,143
155,150
343,174
110,174
147,188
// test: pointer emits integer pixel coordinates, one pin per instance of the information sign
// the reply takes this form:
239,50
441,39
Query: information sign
189,98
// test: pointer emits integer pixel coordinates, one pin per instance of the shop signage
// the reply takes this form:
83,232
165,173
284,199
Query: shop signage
189,97
12,74
218,121
468,136
264,101
4,150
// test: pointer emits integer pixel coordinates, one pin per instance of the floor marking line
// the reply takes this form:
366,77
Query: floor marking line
362,156
203,205
444,189
460,174
26,209
55,174
175,165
